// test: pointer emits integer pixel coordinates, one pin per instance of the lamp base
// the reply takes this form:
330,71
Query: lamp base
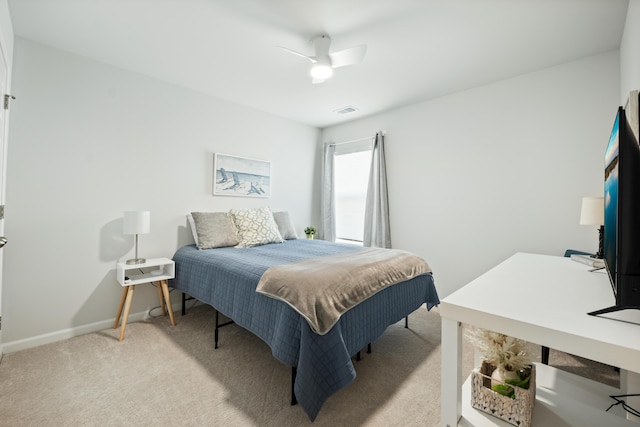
136,261
600,254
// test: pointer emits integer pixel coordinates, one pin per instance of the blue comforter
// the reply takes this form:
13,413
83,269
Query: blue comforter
226,278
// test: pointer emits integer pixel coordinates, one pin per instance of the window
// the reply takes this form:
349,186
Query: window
351,178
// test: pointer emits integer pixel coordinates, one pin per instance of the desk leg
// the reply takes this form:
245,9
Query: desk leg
122,298
630,384
451,372
167,300
127,307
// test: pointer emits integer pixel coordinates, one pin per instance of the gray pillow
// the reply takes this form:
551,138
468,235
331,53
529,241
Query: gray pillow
214,230
285,226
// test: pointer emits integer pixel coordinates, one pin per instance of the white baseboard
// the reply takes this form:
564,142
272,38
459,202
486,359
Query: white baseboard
48,338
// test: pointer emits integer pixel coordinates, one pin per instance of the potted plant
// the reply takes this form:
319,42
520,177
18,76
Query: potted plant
310,232
507,356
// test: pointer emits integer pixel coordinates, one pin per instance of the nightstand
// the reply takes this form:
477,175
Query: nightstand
157,270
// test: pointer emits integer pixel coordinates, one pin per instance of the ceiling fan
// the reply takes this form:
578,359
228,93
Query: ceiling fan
324,61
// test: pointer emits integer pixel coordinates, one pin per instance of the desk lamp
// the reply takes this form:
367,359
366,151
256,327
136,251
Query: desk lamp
136,222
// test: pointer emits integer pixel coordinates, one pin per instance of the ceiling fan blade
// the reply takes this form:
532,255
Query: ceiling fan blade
310,58
349,56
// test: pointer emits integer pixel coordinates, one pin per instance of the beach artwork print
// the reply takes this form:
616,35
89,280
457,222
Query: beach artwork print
239,176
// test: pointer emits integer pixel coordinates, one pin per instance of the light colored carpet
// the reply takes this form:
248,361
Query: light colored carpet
162,375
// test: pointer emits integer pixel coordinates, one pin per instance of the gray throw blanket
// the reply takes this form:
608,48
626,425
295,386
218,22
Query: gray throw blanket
323,289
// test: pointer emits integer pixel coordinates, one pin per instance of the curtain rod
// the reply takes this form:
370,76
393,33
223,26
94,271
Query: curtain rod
384,133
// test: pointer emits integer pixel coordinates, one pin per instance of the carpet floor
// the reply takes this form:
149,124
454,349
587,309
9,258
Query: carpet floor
165,376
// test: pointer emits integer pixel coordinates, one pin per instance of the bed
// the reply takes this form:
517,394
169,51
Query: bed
227,277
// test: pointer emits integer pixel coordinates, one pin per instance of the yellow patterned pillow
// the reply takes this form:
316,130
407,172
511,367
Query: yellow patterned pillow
255,227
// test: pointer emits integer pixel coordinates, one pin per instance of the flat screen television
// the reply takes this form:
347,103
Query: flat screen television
622,209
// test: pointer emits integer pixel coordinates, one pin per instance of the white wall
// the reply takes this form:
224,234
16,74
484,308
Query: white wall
89,141
479,175
629,48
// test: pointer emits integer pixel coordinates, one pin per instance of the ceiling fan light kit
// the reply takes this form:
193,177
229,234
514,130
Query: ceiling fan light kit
321,71
324,62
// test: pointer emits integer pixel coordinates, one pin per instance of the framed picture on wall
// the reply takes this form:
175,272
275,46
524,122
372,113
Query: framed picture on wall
240,176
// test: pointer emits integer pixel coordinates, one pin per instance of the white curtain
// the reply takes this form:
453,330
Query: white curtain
376,218
328,195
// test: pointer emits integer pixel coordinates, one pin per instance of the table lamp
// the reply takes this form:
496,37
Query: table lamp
136,222
592,213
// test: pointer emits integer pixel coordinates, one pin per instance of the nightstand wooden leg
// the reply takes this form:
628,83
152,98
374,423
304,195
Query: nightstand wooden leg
127,306
124,296
159,286
167,300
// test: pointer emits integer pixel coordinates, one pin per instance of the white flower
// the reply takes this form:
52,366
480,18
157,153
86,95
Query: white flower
500,349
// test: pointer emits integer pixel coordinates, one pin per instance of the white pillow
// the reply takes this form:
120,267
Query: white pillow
255,227
214,230
192,224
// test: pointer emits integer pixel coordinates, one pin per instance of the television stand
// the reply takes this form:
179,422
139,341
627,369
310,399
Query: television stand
544,300
611,310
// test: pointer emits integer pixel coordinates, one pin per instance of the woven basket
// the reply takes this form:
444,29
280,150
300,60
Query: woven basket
514,411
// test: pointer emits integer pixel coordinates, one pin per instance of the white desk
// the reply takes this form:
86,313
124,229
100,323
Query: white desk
544,300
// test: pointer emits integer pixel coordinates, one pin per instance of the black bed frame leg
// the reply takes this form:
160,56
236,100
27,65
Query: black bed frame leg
368,352
184,303
216,332
218,326
406,322
294,372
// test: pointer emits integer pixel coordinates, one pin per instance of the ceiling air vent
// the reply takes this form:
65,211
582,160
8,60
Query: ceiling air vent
346,110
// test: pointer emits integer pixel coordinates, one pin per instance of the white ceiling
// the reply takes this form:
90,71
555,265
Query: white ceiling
417,49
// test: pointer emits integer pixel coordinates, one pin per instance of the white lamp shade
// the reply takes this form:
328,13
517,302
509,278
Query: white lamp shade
592,212
137,222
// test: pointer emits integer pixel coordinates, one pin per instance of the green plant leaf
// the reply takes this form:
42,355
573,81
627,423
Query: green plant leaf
504,390
520,383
